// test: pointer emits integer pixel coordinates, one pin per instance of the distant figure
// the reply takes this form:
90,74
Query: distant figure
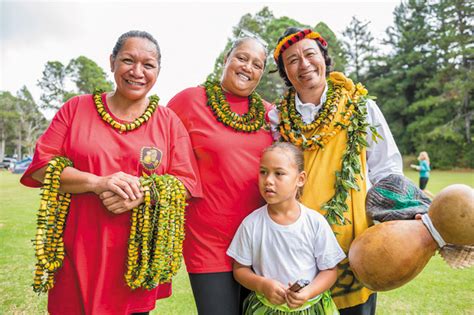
424,169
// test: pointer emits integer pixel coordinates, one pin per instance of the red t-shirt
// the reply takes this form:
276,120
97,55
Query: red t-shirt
91,280
228,163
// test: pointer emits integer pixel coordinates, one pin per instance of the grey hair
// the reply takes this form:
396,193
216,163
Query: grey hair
240,41
136,34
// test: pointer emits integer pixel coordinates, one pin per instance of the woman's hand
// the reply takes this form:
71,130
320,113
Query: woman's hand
124,185
296,299
274,291
116,204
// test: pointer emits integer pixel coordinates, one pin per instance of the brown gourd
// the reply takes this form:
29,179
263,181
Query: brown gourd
390,254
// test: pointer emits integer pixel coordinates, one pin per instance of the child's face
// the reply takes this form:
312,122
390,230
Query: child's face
279,178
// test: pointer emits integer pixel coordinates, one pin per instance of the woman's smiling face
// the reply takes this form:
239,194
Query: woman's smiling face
243,68
135,68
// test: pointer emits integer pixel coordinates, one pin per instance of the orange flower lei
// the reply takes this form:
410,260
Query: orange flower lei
252,121
128,126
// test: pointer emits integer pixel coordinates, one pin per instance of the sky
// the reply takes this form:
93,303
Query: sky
191,34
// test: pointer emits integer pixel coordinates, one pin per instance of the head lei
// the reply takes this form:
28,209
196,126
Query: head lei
289,40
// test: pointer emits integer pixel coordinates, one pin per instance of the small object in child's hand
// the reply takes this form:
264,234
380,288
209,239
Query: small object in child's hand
298,285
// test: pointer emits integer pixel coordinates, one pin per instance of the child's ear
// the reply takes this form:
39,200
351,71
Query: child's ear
301,179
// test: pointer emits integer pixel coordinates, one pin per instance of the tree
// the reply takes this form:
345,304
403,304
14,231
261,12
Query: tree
8,118
452,84
81,76
20,123
52,84
31,124
335,48
87,75
402,78
269,28
359,47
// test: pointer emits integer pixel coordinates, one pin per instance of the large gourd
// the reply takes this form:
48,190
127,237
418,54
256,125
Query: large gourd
390,254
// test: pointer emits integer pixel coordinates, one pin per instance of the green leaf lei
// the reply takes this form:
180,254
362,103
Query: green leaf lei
252,121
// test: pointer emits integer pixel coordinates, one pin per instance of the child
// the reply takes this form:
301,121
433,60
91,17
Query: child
283,242
424,169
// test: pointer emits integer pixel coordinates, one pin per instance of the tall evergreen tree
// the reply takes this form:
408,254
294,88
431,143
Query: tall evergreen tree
359,48
402,78
335,47
452,86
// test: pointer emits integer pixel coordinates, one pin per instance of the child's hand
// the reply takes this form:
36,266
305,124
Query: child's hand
296,299
274,291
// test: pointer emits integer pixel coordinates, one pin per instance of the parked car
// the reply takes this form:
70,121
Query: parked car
21,166
7,162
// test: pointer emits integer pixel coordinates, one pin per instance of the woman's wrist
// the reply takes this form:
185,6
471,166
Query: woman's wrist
95,184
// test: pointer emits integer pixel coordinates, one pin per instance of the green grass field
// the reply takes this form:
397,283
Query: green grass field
437,290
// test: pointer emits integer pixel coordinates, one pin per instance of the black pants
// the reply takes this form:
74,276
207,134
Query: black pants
423,182
368,308
217,293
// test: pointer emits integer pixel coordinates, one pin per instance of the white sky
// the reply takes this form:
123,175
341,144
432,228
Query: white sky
191,34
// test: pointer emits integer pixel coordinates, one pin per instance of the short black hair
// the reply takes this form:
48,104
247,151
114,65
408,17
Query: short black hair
134,34
281,66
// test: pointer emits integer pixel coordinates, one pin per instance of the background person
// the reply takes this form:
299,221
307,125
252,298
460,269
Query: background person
424,169
226,122
107,160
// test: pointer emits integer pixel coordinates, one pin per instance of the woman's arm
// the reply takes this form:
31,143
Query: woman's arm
323,281
76,182
273,290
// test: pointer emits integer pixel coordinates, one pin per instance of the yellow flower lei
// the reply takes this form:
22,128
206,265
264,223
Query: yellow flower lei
97,96
354,120
292,128
156,232
49,245
252,121
156,237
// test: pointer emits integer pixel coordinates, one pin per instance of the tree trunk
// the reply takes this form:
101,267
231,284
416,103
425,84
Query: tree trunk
19,141
2,145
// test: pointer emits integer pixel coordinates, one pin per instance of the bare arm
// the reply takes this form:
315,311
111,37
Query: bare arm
322,282
77,182
273,290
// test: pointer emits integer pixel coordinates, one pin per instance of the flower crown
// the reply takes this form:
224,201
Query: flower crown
289,40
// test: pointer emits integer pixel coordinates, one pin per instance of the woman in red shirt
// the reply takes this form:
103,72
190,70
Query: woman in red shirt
226,121
107,162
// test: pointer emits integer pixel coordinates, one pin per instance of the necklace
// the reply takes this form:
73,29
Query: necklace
353,119
252,121
292,128
156,236
97,96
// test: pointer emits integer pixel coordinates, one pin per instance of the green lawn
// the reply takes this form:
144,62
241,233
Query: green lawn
437,290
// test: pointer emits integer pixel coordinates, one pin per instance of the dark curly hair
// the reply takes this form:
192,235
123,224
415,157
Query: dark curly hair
281,66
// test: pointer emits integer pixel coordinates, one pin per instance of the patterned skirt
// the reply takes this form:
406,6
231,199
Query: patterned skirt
257,304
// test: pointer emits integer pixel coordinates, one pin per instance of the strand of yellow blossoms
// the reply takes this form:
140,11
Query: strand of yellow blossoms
156,237
156,233
52,214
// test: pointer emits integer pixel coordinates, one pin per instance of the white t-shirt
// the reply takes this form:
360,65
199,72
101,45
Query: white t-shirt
286,253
